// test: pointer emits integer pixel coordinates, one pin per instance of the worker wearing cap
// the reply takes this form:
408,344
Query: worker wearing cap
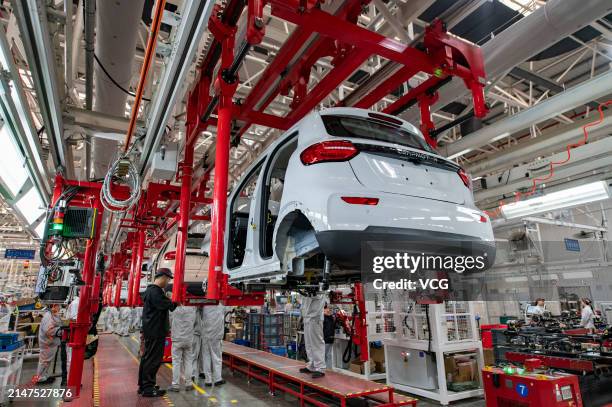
155,328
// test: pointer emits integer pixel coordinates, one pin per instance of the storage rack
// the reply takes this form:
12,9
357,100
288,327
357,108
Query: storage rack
265,330
451,330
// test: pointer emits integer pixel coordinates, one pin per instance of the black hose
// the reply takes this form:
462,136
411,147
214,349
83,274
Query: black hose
428,327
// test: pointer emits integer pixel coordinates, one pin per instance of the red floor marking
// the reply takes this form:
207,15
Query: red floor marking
118,376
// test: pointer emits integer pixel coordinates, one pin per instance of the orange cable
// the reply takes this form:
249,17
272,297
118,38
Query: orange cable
146,64
518,195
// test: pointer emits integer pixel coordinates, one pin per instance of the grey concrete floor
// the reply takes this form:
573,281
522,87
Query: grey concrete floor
237,391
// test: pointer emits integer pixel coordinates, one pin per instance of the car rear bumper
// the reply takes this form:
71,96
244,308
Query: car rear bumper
344,247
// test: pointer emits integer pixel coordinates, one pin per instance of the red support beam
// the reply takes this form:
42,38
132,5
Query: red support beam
219,206
136,300
79,329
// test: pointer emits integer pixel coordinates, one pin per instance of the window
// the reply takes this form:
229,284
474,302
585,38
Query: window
240,217
31,206
12,165
373,129
272,192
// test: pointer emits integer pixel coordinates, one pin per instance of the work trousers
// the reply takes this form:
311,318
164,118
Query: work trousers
212,355
150,362
198,362
182,363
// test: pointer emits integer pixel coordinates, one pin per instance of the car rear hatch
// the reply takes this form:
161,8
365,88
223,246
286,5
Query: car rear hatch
394,160
407,172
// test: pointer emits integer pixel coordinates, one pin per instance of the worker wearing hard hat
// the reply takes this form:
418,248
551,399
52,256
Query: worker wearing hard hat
49,334
182,320
312,315
213,317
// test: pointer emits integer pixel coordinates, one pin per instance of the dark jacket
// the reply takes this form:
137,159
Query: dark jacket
155,312
329,328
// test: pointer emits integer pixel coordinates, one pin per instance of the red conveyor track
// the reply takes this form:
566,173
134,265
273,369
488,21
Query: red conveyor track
281,373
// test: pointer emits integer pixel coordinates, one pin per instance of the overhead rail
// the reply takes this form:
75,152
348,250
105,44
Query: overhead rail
33,27
328,34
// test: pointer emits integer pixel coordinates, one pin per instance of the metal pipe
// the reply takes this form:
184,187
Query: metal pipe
194,21
578,95
146,64
525,38
130,286
89,18
139,258
550,141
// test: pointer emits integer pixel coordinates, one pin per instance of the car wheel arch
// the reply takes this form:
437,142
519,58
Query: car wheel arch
290,223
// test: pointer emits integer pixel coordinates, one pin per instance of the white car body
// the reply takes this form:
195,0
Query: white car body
196,262
419,194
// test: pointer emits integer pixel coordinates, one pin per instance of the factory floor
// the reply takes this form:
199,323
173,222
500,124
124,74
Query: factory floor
113,384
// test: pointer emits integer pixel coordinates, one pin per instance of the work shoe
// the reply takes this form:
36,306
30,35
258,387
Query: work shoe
305,370
316,375
48,380
174,387
220,382
202,376
139,391
154,393
207,384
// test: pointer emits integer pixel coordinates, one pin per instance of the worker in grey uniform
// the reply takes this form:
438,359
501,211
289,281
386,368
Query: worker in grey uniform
312,315
116,320
49,334
125,318
198,362
73,311
182,320
212,334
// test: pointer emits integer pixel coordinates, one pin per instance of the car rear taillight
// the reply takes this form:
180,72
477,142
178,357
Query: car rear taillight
329,151
483,219
170,255
360,200
467,181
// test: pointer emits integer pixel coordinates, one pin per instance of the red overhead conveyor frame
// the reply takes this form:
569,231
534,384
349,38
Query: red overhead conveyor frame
165,207
338,36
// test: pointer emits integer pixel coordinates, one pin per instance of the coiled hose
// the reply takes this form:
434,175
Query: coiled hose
123,171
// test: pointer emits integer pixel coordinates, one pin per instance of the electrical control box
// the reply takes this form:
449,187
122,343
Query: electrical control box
79,223
164,163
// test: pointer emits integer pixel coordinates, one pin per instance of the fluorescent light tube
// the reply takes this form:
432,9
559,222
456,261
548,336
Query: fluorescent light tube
566,198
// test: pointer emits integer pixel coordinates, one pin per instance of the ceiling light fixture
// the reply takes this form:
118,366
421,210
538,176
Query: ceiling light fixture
566,198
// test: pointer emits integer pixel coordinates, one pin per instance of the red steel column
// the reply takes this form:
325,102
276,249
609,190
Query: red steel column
183,224
118,288
78,334
132,275
219,205
138,275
